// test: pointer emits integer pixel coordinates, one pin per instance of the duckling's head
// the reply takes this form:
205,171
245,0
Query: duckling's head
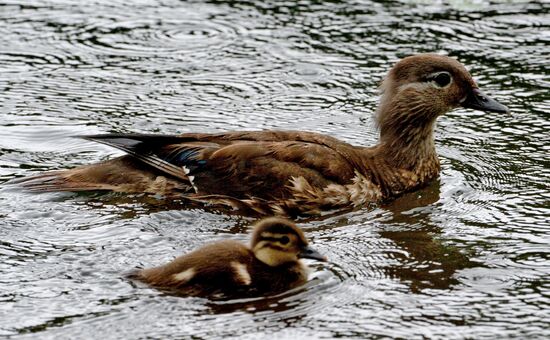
277,241
422,87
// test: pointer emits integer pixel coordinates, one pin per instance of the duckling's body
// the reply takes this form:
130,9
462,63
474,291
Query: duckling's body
221,267
293,172
233,269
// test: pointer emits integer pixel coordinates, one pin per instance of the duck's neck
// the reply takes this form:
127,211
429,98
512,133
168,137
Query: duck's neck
407,134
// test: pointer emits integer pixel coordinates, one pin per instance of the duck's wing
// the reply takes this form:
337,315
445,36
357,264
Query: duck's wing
226,168
145,148
242,164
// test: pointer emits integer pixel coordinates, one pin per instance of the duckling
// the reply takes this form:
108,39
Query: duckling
292,172
271,264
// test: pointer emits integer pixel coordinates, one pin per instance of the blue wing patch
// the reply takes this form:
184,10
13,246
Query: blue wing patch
186,158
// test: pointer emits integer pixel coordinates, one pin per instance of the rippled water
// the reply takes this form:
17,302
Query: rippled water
468,256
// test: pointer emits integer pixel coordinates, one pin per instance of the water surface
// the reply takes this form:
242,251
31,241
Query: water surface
468,256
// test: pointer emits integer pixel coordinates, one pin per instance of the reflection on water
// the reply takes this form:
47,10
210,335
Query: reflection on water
466,257
425,260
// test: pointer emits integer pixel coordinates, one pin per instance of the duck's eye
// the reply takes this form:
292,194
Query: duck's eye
284,240
442,79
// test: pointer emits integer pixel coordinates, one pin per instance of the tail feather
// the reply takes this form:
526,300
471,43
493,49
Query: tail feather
123,174
57,181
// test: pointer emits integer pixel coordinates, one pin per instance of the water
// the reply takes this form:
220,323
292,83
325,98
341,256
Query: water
468,256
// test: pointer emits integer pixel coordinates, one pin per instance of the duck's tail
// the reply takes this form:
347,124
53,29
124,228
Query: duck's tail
123,174
61,180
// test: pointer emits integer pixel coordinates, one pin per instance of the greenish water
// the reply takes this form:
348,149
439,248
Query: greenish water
466,257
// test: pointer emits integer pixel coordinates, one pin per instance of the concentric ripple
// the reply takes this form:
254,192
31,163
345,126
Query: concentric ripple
154,37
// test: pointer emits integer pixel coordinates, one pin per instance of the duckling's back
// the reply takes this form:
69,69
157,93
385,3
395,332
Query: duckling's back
206,270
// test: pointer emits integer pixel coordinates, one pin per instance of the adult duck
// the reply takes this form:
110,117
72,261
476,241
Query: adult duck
293,172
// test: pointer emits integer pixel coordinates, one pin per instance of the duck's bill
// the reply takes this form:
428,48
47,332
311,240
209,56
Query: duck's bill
478,100
310,253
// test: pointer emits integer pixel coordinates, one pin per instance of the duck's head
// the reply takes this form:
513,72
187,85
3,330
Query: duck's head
416,91
277,241
422,87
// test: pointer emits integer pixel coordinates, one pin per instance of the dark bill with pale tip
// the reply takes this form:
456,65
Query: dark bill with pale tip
310,253
478,100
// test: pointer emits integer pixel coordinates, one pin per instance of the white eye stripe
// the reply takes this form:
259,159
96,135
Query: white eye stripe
435,74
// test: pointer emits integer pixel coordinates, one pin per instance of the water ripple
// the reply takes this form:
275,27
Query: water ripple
465,257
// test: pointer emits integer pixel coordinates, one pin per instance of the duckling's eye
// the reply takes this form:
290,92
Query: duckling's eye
442,79
284,240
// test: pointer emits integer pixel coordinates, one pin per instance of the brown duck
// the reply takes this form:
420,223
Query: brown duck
293,172
271,265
